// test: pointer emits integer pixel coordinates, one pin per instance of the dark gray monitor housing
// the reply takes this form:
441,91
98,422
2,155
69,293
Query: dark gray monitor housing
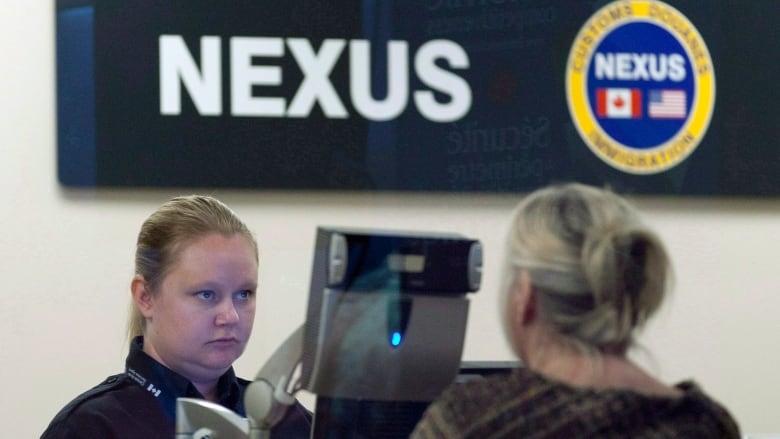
387,313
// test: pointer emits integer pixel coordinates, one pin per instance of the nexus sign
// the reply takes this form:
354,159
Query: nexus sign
179,73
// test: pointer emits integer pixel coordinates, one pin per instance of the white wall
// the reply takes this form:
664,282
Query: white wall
67,262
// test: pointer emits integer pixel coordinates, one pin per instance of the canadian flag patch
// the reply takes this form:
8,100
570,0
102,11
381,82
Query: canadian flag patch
619,103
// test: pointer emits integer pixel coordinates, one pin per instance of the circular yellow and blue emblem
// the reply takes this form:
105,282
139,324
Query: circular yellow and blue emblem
640,86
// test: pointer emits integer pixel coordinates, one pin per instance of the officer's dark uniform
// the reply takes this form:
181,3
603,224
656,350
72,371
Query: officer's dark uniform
141,403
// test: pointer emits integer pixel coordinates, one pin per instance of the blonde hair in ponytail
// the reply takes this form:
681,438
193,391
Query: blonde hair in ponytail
174,224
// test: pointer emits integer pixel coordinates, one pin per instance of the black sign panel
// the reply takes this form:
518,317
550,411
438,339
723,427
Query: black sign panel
423,95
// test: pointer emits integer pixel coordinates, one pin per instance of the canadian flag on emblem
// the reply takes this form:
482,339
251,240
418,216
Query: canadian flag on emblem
619,103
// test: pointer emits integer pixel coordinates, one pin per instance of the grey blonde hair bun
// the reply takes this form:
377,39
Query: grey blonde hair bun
599,272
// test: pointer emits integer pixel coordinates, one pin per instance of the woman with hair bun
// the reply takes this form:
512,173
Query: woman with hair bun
583,274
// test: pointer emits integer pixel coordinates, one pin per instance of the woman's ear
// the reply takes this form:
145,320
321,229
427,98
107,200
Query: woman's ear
525,299
522,313
141,295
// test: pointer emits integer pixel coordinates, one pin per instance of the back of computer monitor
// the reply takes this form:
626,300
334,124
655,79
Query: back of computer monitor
387,313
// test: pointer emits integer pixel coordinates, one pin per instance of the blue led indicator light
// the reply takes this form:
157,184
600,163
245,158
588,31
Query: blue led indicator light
395,339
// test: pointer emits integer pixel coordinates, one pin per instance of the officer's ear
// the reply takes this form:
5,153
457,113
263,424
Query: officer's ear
141,295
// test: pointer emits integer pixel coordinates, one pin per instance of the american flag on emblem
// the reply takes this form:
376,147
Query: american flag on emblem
666,104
